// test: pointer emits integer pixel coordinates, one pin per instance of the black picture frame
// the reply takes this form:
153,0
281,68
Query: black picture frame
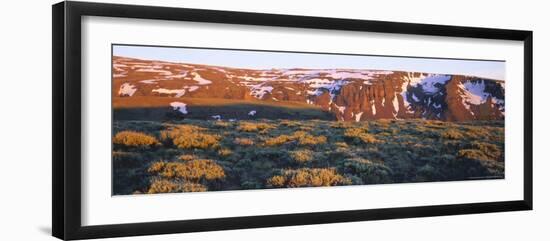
66,59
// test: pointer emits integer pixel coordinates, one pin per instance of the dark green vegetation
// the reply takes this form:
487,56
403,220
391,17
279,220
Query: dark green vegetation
200,155
158,109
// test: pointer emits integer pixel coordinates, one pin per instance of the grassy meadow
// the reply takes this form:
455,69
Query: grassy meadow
195,155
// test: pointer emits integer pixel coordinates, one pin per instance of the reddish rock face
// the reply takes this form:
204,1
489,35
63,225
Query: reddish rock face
349,94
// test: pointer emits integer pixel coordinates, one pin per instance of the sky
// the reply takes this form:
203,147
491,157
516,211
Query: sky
268,60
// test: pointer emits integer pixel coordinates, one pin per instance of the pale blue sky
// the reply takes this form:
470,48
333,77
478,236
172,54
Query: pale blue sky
268,60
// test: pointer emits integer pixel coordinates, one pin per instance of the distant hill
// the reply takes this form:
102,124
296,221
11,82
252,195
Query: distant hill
145,89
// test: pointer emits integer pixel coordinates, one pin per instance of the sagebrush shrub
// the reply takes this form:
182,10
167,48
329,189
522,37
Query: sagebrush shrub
276,181
197,140
302,137
312,140
222,124
488,149
477,132
175,131
301,156
473,154
452,134
163,186
278,140
160,185
189,136
187,157
290,123
369,172
243,141
224,152
134,139
308,177
341,124
191,170
253,127
341,145
359,135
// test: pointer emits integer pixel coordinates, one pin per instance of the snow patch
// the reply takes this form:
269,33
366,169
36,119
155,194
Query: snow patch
217,117
431,83
149,81
179,106
356,74
178,92
474,92
183,74
395,104
200,80
257,79
340,108
191,88
415,98
318,85
153,70
252,113
314,92
358,116
259,90
127,89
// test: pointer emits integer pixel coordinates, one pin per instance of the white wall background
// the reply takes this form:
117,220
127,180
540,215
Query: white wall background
25,123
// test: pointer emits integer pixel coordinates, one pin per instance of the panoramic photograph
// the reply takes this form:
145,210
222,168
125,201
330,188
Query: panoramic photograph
201,119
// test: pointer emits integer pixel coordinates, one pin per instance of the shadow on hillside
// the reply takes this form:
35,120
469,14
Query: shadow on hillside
237,111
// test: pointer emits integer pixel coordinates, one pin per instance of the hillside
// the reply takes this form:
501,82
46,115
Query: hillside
202,155
216,92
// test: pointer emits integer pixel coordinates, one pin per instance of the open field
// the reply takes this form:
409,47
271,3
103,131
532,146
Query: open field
207,155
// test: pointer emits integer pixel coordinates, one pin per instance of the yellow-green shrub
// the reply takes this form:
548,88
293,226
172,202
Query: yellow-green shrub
243,141
187,157
341,124
134,139
276,181
224,152
312,140
308,177
302,137
189,136
359,134
278,140
301,156
163,186
341,145
166,186
473,154
476,132
452,134
190,170
252,127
